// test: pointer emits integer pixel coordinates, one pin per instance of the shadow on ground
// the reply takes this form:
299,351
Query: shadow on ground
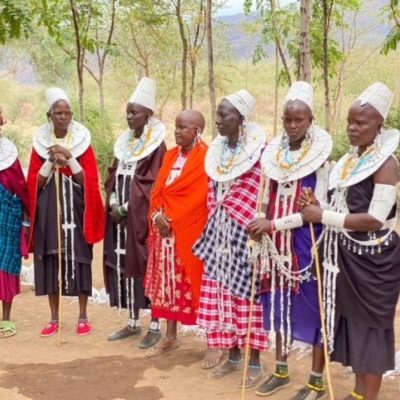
99,378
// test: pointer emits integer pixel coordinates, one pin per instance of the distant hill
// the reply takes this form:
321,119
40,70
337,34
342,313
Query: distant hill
369,20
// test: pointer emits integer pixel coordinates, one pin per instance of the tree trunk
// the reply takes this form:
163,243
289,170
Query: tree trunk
325,51
210,59
192,82
274,5
184,54
305,51
276,100
80,54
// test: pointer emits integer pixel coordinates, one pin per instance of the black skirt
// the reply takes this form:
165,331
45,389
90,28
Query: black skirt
367,350
79,276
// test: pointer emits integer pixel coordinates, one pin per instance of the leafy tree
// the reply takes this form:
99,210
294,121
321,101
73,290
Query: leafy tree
83,30
15,19
392,10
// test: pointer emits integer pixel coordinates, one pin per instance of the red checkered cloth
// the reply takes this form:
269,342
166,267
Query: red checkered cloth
241,202
226,319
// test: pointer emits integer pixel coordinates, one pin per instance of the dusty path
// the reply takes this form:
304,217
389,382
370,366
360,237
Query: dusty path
91,368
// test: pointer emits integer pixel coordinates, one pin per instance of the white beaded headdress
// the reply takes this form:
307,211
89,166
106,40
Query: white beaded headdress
145,94
378,96
302,91
54,94
243,101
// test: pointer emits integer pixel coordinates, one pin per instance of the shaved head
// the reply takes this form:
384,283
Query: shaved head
193,117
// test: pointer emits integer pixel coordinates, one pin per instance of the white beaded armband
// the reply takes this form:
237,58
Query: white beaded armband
383,200
155,215
74,166
289,222
333,218
46,169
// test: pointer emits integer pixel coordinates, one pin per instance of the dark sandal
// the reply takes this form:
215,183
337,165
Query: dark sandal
226,368
151,338
165,345
124,333
212,358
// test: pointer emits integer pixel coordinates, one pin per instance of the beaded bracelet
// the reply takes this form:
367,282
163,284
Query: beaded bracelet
122,212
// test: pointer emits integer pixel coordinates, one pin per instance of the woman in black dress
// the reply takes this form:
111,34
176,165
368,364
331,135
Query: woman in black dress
361,250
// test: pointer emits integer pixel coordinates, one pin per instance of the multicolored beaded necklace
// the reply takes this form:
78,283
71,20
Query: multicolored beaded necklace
65,141
137,145
228,155
354,162
288,160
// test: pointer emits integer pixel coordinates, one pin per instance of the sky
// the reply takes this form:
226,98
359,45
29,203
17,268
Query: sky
233,7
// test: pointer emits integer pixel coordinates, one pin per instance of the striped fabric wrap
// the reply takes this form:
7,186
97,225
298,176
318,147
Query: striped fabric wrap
11,214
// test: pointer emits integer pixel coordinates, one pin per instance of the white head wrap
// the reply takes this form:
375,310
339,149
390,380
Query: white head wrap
54,94
145,93
378,96
243,101
302,91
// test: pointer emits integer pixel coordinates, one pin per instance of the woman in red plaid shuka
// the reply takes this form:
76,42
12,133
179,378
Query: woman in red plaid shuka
233,164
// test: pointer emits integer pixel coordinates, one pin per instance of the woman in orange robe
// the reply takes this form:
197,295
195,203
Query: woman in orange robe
178,210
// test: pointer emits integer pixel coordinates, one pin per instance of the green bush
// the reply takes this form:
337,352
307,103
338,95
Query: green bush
393,120
24,146
102,136
341,145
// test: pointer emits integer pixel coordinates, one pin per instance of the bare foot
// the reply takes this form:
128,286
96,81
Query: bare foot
211,359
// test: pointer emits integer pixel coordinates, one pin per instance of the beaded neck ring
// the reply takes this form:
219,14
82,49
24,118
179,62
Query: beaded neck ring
228,155
137,145
355,161
65,141
289,161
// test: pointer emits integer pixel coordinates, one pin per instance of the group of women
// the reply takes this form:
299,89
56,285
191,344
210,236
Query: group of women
177,226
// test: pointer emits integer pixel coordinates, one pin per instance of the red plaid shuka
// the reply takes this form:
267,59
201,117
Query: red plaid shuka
241,202
229,329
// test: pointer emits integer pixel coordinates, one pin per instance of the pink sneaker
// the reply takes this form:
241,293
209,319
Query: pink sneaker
50,329
83,328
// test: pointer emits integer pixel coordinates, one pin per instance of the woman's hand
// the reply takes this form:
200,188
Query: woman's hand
307,197
256,238
258,227
312,214
163,224
115,215
61,150
58,159
26,231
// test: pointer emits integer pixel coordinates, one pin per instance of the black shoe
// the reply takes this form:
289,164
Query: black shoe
125,332
151,338
310,392
274,383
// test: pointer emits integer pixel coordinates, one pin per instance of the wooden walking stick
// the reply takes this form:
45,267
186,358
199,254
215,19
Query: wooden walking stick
251,245
322,312
57,182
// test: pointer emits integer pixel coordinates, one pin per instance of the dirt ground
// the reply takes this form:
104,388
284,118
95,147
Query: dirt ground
91,368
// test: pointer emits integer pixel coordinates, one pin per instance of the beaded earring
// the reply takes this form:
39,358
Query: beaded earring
243,133
197,139
378,139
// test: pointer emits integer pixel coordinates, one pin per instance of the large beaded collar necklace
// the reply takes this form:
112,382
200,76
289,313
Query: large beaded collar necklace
353,168
290,161
228,155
